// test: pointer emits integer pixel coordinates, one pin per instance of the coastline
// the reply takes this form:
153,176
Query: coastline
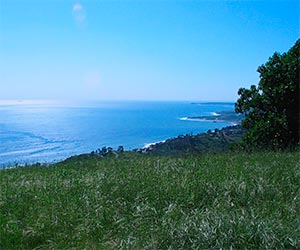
215,141
218,116
225,117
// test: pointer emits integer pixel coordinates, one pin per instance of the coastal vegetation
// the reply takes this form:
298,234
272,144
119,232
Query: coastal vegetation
136,201
217,141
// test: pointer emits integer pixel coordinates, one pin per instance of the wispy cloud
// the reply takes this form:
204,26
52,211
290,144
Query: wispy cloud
77,7
79,14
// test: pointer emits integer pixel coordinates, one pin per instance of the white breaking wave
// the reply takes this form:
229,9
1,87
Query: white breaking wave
194,119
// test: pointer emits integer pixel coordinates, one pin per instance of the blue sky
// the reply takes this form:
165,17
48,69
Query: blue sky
139,50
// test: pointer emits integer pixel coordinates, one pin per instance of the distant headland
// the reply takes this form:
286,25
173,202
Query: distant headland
222,116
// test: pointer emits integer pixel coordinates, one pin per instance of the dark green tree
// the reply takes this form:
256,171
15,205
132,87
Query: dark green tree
272,108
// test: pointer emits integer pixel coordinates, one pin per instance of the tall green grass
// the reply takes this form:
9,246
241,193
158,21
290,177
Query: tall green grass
227,201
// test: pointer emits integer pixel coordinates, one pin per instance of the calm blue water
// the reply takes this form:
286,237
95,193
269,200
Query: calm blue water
47,133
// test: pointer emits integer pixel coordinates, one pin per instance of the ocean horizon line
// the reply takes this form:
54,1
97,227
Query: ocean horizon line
78,101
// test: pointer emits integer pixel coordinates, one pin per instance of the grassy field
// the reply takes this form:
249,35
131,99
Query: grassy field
225,201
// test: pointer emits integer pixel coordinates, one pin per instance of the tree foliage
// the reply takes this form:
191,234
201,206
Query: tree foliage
272,108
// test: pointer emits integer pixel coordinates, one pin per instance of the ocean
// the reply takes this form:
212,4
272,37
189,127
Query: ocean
48,132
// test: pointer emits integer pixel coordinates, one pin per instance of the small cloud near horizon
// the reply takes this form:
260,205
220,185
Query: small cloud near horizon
92,79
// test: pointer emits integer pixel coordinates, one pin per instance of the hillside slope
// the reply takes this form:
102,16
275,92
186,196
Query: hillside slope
137,201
